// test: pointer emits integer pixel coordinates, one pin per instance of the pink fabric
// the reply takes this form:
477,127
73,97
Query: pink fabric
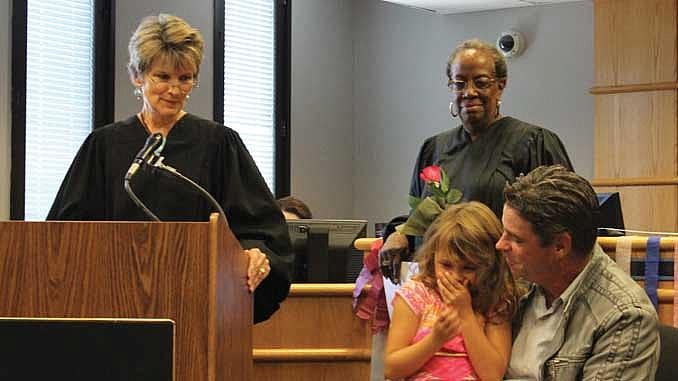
675,284
426,304
373,305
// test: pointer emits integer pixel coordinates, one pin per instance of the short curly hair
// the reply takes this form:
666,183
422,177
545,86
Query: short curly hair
164,37
500,67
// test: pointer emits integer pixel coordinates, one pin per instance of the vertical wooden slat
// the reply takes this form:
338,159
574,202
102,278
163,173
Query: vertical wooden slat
636,43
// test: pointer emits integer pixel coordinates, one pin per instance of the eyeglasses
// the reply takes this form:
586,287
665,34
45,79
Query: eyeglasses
480,83
162,82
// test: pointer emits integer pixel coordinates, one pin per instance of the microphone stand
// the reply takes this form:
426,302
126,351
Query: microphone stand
157,162
138,202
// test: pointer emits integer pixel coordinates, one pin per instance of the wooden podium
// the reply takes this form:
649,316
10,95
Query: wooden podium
191,272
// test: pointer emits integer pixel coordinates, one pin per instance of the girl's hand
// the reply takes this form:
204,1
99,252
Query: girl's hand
446,326
456,295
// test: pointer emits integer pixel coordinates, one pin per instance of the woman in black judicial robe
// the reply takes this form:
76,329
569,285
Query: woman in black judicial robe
165,55
487,151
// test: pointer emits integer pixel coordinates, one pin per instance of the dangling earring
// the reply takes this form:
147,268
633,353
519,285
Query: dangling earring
187,96
498,105
137,93
452,110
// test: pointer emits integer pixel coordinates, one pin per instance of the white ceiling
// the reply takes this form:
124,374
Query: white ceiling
464,6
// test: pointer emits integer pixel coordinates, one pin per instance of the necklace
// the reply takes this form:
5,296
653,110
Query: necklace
143,122
142,119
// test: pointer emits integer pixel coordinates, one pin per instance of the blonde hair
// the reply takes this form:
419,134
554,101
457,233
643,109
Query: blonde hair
469,231
164,37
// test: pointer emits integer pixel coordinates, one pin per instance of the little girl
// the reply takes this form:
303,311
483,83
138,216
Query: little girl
452,320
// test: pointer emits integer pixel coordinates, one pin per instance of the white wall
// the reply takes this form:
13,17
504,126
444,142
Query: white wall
368,86
322,135
5,105
198,13
400,95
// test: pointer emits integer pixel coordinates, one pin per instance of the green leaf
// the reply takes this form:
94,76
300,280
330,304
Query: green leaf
421,218
454,196
444,181
436,192
413,202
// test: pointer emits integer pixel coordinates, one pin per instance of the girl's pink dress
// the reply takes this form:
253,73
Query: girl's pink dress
426,304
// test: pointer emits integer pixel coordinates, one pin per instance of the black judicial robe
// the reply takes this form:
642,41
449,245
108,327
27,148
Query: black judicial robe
481,168
208,153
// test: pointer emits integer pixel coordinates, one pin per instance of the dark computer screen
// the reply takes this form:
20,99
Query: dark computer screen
87,349
611,218
324,251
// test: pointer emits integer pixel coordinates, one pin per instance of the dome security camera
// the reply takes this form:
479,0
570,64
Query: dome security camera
511,43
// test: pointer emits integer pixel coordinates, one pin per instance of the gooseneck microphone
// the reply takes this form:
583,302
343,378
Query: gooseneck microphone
154,145
149,153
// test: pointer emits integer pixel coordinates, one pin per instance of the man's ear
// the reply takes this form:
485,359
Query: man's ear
562,245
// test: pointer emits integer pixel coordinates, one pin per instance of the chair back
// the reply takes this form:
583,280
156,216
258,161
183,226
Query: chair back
667,370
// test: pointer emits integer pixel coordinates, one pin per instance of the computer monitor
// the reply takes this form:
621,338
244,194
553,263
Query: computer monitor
611,220
87,349
324,251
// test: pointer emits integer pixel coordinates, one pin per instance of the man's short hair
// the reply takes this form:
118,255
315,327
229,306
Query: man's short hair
555,200
294,205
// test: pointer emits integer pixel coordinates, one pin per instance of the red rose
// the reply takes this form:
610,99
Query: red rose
430,174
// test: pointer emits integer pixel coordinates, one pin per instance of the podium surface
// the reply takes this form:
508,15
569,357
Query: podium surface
191,272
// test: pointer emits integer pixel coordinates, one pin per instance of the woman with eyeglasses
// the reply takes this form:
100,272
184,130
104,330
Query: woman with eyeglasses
482,154
165,55
488,149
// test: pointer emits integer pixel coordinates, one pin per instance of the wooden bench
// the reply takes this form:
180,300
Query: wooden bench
314,336
665,291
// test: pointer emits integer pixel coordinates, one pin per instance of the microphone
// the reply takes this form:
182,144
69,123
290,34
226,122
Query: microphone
152,148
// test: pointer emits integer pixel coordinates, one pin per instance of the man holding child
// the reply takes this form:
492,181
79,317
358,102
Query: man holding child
583,318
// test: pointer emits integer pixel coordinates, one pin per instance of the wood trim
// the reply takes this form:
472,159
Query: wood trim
310,355
665,295
637,242
364,244
634,181
635,88
213,250
322,289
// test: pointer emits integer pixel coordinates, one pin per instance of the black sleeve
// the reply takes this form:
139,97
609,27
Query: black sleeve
81,195
256,220
550,150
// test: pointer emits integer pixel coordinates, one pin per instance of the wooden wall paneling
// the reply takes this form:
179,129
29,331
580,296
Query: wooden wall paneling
314,336
634,41
318,322
316,371
648,208
635,135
